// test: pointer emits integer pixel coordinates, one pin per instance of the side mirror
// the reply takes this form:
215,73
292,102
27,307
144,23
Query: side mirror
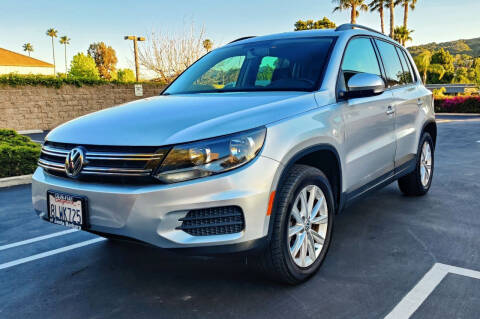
364,85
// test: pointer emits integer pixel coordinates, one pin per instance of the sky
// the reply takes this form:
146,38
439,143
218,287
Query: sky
89,21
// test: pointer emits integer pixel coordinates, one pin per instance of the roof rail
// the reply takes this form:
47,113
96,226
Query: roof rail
349,26
242,38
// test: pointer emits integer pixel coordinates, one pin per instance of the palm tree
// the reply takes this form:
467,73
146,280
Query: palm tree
351,5
28,47
379,5
423,61
391,7
403,35
207,44
65,41
405,4
53,34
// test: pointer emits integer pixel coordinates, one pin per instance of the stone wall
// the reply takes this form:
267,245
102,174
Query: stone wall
39,107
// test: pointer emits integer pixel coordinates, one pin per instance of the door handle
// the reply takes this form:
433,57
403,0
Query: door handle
390,110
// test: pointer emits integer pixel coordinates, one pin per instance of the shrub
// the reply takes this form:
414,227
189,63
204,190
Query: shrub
18,154
458,104
439,93
14,79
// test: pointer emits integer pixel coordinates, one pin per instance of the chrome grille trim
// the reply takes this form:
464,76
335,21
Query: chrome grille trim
116,171
105,156
142,164
51,165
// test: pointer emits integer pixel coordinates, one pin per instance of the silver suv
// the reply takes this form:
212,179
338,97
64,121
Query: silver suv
256,147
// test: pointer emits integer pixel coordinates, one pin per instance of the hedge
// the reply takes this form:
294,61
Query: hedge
14,79
458,104
18,154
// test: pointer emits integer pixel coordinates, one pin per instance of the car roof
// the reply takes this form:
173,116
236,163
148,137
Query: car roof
346,30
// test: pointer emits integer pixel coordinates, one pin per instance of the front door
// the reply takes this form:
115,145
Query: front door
369,122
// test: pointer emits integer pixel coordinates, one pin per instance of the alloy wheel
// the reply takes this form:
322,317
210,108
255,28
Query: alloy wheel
426,164
308,224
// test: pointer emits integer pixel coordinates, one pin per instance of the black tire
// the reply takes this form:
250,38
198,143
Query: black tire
411,184
276,260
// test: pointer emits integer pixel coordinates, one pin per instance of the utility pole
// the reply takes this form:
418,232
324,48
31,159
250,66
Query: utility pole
135,49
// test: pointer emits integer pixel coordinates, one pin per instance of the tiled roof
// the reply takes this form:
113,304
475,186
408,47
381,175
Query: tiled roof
10,58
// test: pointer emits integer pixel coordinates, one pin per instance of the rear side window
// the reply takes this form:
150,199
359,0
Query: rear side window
391,62
410,67
359,57
407,74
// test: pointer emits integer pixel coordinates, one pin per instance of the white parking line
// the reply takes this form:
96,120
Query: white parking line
50,253
414,299
32,240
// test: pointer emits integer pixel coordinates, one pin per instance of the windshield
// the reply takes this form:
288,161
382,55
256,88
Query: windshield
275,65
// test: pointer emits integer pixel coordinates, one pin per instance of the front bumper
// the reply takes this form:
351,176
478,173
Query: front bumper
150,213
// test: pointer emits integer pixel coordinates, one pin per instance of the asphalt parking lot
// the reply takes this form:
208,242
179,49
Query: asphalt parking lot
385,247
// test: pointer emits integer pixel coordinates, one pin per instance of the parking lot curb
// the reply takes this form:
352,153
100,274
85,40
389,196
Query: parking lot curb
458,114
15,180
30,132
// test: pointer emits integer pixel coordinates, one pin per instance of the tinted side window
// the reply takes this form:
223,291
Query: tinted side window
393,67
407,75
359,57
410,66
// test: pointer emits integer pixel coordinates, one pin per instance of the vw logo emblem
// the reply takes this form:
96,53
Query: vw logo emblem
74,162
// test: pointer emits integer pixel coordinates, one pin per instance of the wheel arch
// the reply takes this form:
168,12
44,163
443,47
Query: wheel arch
331,167
430,126
326,158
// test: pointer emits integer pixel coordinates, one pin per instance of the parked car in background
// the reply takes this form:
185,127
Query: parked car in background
255,148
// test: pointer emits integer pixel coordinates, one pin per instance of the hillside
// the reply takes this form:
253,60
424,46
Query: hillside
470,47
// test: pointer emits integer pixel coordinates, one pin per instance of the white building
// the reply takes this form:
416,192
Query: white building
12,62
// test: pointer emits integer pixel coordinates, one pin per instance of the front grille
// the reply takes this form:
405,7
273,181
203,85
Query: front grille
213,221
107,161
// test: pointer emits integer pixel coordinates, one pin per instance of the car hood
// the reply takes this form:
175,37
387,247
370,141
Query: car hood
172,119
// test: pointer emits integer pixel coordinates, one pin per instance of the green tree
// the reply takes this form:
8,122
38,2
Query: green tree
463,60
379,5
436,73
423,61
402,35
406,4
53,34
444,58
125,75
104,57
462,75
472,75
83,66
28,47
324,23
476,67
353,6
207,45
65,41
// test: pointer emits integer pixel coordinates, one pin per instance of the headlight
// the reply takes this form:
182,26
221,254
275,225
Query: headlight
212,156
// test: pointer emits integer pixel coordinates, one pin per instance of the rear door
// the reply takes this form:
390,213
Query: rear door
369,123
407,100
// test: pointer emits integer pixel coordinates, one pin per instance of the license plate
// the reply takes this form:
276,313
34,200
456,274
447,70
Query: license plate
67,210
